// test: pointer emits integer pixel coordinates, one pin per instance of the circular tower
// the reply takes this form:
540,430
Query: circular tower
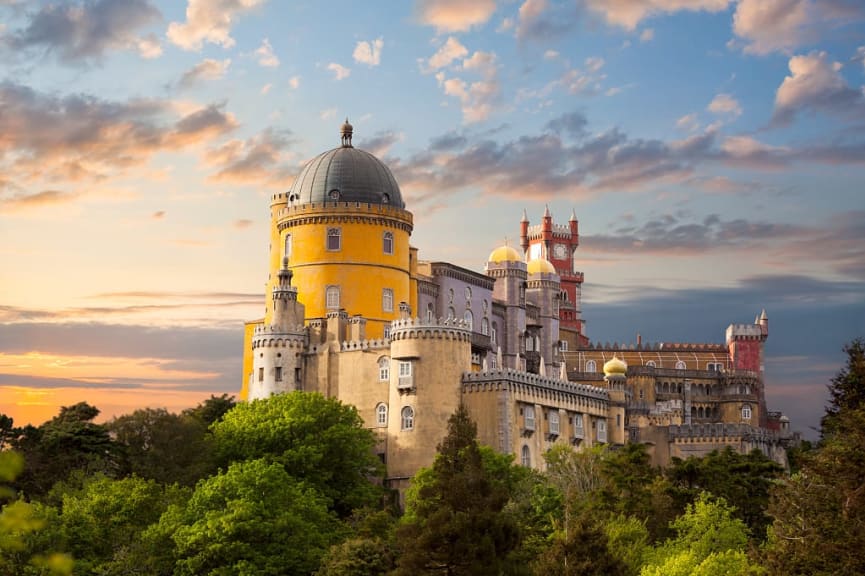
345,231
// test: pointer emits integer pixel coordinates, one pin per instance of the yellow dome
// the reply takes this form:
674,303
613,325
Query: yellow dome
615,366
504,254
541,265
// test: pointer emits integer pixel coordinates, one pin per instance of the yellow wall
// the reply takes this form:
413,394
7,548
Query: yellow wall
360,268
248,330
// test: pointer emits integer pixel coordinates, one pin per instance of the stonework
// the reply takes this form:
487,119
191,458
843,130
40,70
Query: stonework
353,314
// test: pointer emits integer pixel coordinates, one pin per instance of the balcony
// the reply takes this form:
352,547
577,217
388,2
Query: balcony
480,341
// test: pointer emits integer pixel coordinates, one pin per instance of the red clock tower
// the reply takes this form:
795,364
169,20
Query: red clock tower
558,244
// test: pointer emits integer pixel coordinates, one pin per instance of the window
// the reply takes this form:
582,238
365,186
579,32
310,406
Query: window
526,457
385,198
602,430
563,345
650,363
261,374
387,243
387,299
680,365
468,319
494,363
405,375
746,412
493,333
554,422
384,368
381,414
468,293
287,253
404,369
578,425
430,315
591,366
334,239
450,295
618,420
451,313
278,374
641,394
529,417
485,327
386,332
407,418
332,297
713,366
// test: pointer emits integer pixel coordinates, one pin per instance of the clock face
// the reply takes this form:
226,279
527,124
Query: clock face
560,251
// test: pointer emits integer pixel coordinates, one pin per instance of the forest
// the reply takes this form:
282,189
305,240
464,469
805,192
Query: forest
291,485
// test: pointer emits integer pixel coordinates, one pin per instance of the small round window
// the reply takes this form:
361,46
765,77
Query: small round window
333,194
385,198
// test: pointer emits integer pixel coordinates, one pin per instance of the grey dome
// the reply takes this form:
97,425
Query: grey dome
345,174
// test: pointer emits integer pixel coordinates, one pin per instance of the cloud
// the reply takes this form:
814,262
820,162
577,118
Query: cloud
87,31
265,55
724,104
448,52
479,97
242,223
327,113
340,72
647,35
815,83
260,159
537,20
454,15
265,89
158,215
750,152
572,123
208,21
149,47
294,82
688,122
82,137
629,13
368,53
41,199
207,69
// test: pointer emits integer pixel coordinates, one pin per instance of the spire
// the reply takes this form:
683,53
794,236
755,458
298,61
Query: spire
524,218
573,216
763,315
346,131
547,211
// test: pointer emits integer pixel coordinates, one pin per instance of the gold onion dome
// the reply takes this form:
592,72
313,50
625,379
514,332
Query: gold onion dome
504,254
540,266
614,366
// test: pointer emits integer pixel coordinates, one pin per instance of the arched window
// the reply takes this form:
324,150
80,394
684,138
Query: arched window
650,363
384,368
388,243
452,313
680,365
387,299
407,418
591,366
526,457
468,319
334,239
430,315
554,422
746,412
485,327
529,417
332,297
494,333
381,414
468,293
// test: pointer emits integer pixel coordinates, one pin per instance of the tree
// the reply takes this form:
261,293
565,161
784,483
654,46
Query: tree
709,541
251,519
581,550
213,409
365,556
70,441
847,389
154,443
455,522
318,440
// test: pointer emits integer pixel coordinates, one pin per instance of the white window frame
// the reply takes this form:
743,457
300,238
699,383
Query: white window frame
651,363
387,242
602,430
386,331
333,232
405,370
591,366
563,345
493,333
332,297
680,365
387,299
469,319
384,369
529,417
554,422
381,414
746,412
579,430
485,326
430,313
526,456
407,418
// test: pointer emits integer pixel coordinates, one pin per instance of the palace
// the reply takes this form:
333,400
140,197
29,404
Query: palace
353,313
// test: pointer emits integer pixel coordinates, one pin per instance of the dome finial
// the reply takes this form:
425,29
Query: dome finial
346,131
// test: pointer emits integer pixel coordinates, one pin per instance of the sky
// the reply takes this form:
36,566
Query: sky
712,150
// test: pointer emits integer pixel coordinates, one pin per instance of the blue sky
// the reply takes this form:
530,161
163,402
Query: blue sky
712,150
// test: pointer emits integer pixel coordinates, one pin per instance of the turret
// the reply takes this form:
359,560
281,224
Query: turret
524,233
574,226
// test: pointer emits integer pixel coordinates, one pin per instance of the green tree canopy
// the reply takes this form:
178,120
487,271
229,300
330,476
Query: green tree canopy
318,440
847,388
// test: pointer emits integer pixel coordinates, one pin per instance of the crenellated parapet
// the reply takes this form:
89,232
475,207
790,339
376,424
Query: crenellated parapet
376,344
344,212
441,329
514,380
714,432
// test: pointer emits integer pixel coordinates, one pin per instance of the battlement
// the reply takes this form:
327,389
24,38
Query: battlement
443,328
714,432
657,346
562,231
325,211
744,332
478,381
376,344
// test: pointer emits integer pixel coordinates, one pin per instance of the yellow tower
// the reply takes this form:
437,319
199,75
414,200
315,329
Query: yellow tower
344,228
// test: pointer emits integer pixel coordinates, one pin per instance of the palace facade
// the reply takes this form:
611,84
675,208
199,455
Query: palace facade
353,312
